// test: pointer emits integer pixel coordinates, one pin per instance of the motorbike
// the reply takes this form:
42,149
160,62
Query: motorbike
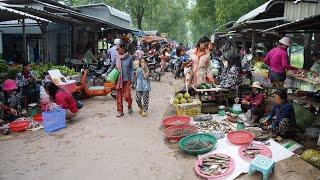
97,71
177,67
84,90
154,69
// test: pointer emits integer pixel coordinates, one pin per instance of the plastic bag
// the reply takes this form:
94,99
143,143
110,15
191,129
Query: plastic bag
113,76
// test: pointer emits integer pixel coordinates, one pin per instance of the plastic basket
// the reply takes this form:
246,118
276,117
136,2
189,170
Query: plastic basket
69,87
17,126
170,132
203,137
240,137
54,120
189,109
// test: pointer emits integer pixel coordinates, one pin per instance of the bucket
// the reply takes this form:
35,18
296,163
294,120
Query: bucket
33,109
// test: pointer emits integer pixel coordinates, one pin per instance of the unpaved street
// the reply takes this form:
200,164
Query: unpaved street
99,146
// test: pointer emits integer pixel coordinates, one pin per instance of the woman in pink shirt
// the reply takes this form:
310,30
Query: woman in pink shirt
62,98
277,59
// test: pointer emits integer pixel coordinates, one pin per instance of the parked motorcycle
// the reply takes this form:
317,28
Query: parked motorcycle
154,69
85,90
177,67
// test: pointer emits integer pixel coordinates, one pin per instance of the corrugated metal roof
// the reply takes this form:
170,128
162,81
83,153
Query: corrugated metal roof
259,10
120,14
310,24
113,11
12,14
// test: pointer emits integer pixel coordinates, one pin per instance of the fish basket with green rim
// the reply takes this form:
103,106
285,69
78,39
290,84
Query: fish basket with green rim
196,144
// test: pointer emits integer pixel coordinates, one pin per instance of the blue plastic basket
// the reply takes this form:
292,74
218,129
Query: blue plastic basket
54,120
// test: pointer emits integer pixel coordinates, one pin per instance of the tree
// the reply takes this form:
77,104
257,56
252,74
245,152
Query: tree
207,15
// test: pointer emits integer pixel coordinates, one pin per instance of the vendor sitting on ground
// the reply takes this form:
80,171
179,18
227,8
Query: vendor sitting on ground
281,121
62,98
254,102
11,100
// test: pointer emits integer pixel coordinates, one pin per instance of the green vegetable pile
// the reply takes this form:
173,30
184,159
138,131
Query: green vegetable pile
3,67
206,86
41,70
312,156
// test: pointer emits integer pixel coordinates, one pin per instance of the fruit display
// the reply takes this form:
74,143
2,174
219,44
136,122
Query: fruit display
181,98
205,86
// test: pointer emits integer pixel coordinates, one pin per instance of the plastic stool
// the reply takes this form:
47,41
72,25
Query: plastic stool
262,164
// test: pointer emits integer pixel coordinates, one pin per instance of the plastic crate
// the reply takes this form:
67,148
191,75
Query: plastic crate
189,109
54,120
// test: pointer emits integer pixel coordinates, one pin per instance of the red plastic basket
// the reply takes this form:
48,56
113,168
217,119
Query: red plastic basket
175,120
38,118
17,126
240,137
170,132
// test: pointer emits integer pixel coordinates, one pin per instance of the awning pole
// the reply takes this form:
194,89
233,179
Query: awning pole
253,46
24,37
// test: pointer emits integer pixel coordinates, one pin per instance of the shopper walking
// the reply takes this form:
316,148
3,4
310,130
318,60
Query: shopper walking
124,63
143,88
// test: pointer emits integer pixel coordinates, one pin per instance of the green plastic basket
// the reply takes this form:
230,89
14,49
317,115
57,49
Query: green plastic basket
202,137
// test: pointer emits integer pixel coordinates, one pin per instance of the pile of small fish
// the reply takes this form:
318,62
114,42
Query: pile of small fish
225,127
208,126
214,165
196,145
203,117
251,151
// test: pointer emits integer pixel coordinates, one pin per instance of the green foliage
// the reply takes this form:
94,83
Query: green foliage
158,15
41,70
207,15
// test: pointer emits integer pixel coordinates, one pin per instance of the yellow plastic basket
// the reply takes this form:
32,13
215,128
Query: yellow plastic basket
189,109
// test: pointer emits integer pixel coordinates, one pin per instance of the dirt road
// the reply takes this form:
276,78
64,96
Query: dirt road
99,146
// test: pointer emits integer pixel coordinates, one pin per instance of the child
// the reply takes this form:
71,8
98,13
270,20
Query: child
143,87
11,100
186,63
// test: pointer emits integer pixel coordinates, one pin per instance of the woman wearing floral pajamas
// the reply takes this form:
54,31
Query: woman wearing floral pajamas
201,64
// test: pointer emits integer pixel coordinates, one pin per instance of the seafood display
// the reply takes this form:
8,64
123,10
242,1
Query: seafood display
250,151
180,132
214,165
208,126
196,145
211,126
203,117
